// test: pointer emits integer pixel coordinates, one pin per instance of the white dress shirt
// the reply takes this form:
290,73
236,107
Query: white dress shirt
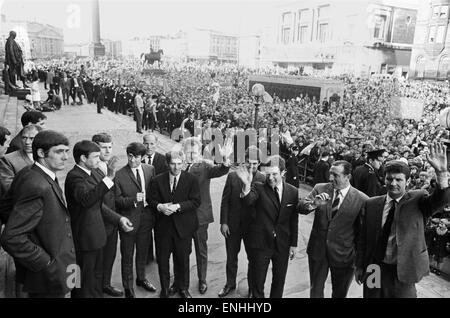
50,173
107,181
141,175
342,194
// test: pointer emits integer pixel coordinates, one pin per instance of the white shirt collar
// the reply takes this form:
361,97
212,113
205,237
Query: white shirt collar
103,166
84,169
50,173
389,199
343,191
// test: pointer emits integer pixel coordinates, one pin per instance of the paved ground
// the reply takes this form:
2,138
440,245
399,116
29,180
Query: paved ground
81,122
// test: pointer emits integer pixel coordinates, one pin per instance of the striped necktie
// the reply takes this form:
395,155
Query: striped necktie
335,205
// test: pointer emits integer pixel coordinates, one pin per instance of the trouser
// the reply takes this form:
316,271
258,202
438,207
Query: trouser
168,242
261,259
7,275
341,278
390,286
109,256
150,255
91,265
66,94
138,238
56,87
146,120
99,106
138,118
233,247
201,251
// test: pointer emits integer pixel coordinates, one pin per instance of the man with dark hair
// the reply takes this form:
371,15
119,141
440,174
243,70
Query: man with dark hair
175,195
365,177
234,220
38,233
132,193
29,117
392,239
15,161
84,199
332,243
273,230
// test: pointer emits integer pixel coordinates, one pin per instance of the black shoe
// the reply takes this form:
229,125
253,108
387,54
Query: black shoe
146,285
250,294
173,290
111,291
202,288
129,293
226,290
184,293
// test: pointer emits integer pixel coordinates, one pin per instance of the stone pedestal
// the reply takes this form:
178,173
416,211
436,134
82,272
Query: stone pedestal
96,49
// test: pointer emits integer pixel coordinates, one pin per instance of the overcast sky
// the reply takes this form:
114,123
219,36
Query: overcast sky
121,20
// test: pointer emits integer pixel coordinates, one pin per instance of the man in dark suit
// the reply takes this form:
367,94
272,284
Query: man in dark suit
175,195
205,171
234,220
15,161
392,252
38,233
292,175
104,141
321,172
85,195
158,161
273,230
132,190
332,243
365,177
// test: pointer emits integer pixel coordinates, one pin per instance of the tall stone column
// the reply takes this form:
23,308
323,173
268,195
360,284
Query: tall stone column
96,48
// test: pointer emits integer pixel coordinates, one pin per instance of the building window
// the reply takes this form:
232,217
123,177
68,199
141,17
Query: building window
440,12
432,35
304,21
323,12
440,34
379,27
286,27
323,32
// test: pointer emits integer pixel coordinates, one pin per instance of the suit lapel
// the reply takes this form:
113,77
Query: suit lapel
347,201
379,207
330,192
52,182
132,177
146,176
270,193
26,158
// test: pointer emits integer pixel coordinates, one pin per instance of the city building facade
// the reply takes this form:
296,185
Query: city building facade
357,37
430,58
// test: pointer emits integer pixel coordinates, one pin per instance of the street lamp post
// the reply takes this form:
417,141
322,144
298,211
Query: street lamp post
257,91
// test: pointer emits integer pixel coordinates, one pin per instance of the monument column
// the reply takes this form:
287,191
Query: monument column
96,48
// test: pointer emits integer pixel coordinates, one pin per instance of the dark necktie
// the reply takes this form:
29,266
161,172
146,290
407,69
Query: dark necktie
174,186
382,245
138,178
188,167
275,189
59,189
335,205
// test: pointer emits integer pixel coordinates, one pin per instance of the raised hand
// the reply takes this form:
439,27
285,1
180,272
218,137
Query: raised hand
113,165
227,148
245,176
438,157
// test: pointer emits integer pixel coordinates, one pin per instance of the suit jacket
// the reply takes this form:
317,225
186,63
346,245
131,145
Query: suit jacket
159,162
126,188
110,217
205,171
11,164
335,238
16,143
272,219
84,196
187,195
412,210
365,179
233,212
38,233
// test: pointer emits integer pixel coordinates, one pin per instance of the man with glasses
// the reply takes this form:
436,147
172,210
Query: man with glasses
365,177
131,191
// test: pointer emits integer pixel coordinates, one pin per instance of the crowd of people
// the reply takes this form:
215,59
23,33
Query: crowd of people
358,147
